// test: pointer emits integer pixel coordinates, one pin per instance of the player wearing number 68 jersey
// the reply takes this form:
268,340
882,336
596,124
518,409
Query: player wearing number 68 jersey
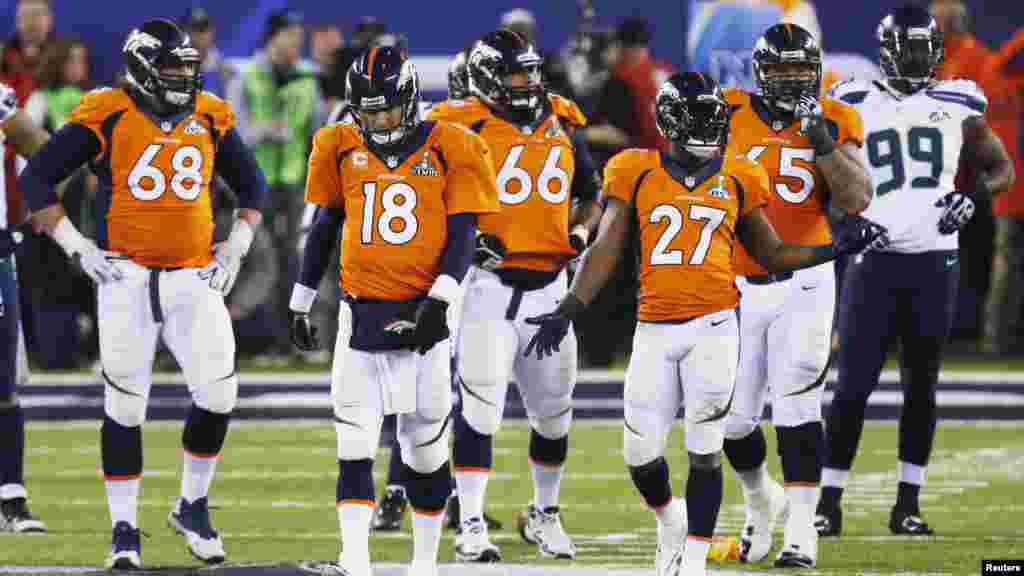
919,132
810,148
155,142
542,164
690,209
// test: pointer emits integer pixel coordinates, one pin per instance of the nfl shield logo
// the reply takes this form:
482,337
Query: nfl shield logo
777,125
392,161
166,126
690,181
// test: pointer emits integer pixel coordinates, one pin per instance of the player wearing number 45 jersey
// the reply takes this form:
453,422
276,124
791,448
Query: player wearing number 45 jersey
405,196
155,143
690,208
919,131
810,148
542,164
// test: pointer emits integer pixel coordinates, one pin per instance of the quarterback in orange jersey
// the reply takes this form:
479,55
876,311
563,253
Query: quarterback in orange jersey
155,143
544,168
691,208
405,196
810,147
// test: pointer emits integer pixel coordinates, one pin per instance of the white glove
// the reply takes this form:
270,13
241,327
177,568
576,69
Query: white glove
809,111
84,253
227,257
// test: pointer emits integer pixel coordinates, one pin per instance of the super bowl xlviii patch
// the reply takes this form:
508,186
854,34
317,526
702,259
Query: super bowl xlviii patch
555,129
719,190
424,167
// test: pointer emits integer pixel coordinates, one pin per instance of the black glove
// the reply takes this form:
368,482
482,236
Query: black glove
489,253
10,241
304,332
958,210
431,324
857,234
554,326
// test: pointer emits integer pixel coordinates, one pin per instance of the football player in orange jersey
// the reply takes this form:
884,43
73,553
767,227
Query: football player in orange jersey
155,142
810,147
545,165
689,207
405,196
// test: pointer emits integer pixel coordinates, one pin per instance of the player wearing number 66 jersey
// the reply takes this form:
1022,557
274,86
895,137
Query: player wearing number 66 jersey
543,164
405,195
809,146
919,132
155,143
690,208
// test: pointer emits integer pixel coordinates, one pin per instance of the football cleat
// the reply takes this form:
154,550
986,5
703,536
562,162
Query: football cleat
452,513
908,523
473,545
762,514
544,528
15,517
192,520
125,549
793,557
390,513
829,522
671,539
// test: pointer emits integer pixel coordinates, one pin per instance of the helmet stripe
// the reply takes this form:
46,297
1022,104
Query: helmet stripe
369,61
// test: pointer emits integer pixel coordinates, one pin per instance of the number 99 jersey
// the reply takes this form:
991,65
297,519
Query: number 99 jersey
397,206
154,198
912,149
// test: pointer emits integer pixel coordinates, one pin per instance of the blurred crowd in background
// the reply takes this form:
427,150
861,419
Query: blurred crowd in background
287,89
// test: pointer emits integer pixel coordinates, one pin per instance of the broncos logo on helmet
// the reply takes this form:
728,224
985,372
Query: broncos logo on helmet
910,48
691,111
381,79
154,55
786,65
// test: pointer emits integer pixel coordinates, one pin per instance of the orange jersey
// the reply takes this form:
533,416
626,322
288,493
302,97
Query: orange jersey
687,227
397,208
799,195
155,177
534,178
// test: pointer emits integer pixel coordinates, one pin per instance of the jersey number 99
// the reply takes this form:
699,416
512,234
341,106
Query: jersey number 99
924,145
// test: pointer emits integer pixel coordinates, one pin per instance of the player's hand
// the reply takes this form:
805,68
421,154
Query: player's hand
958,209
858,234
553,327
223,271
489,252
431,324
10,241
810,113
94,263
304,332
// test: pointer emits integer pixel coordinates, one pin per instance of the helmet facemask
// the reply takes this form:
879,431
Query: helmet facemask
785,82
701,128
405,100
910,58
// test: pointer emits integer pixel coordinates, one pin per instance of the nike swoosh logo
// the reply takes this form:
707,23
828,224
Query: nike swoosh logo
950,262
720,322
807,288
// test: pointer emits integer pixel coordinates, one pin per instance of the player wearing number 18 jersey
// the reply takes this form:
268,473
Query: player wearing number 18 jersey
543,165
919,132
155,143
691,208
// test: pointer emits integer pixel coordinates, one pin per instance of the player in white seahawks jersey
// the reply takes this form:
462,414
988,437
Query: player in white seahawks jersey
919,132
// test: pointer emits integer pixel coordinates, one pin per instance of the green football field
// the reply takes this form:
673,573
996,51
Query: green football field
274,500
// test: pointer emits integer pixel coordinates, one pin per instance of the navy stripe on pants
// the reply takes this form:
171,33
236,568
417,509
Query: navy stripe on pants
12,423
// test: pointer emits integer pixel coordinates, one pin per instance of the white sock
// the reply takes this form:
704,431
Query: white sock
753,481
695,554
196,475
547,480
123,501
471,485
11,491
354,519
834,477
912,473
672,513
426,538
802,502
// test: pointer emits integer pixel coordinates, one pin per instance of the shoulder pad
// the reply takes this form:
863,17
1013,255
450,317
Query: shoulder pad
567,110
211,105
851,91
466,112
964,92
633,160
96,105
736,96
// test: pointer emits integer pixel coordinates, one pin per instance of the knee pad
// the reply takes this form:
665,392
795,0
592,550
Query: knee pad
356,441
705,461
472,450
204,432
738,426
642,445
546,451
425,446
121,450
481,408
653,482
219,396
355,481
428,492
122,404
553,427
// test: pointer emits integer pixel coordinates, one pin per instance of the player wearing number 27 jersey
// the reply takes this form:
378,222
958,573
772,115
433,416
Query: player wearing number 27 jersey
155,142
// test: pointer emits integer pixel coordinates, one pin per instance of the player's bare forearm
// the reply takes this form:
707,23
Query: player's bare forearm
587,214
23,135
762,242
847,178
252,217
996,173
602,258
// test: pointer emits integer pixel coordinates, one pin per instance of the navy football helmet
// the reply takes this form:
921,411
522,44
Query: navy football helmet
787,65
383,78
149,52
910,48
492,60
691,111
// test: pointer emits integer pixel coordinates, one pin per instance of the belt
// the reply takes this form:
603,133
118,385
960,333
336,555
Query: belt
769,278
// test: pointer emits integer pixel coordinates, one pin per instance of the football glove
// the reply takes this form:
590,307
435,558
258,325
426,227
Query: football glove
489,253
227,257
304,332
808,110
958,209
431,324
553,327
858,234
10,241
84,253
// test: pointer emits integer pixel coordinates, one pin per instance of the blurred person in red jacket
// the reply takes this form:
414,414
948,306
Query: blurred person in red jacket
1003,84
